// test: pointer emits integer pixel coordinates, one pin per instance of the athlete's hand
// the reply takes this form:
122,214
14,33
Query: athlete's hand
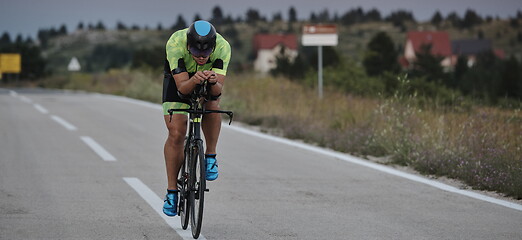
211,77
199,77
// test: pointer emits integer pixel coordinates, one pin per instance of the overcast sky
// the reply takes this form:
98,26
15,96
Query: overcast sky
26,17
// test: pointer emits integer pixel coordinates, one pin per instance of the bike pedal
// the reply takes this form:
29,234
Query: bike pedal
207,190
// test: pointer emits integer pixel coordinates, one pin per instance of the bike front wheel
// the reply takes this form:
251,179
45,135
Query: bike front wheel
198,187
184,202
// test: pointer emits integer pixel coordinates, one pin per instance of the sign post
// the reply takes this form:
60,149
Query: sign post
320,35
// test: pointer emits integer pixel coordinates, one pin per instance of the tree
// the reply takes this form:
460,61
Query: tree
5,40
373,16
313,18
217,16
62,30
252,16
121,26
324,16
460,69
428,65
436,19
19,40
483,79
513,22
292,15
511,79
197,17
180,24
277,17
100,26
353,16
399,17
80,26
454,19
380,55
471,18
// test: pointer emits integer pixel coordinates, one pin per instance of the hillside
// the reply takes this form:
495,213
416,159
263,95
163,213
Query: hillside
352,41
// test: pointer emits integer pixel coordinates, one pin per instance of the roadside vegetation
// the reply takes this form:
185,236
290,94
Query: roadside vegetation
481,146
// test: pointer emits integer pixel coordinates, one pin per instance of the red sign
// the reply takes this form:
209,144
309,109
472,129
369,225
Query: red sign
320,29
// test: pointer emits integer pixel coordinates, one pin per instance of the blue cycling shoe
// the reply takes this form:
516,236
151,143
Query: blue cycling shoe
212,167
170,205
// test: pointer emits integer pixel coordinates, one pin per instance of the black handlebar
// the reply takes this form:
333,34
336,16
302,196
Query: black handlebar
229,113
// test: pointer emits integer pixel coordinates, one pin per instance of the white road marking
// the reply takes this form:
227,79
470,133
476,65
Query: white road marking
40,108
64,123
157,204
98,149
350,159
13,93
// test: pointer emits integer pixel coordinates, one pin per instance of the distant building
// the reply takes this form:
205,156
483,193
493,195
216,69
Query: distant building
268,46
470,48
440,46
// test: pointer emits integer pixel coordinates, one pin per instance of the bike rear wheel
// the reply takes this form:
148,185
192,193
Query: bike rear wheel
198,185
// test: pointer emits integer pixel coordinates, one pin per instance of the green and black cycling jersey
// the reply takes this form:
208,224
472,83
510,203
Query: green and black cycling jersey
179,58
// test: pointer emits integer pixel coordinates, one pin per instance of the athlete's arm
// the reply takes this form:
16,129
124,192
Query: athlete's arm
185,84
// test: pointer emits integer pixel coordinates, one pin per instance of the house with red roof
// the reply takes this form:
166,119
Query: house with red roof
471,48
268,46
440,46
443,47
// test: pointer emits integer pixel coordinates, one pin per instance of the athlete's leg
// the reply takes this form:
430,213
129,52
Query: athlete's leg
173,149
211,126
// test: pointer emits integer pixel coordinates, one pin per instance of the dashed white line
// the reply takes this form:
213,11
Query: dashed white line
104,154
13,93
64,123
40,108
157,204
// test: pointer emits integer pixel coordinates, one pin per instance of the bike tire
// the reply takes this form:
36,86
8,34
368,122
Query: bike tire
197,194
184,201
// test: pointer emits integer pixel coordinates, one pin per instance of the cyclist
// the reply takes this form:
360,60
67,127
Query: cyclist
194,55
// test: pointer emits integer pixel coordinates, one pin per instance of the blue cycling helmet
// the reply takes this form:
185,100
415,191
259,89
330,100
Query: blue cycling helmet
201,38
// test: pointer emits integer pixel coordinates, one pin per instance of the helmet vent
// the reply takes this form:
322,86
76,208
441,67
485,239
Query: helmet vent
202,27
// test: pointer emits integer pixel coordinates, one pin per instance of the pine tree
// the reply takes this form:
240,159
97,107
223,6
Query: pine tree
380,55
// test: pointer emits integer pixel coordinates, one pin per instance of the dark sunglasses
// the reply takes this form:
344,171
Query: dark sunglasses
200,53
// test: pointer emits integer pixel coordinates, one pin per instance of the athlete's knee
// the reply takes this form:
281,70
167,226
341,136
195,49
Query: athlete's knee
177,133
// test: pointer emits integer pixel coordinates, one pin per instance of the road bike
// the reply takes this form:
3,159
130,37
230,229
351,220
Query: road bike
192,180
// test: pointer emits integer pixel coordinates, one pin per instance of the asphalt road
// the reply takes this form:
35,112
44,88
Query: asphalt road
90,166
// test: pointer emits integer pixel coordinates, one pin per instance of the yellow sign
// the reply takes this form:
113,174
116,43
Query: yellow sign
10,63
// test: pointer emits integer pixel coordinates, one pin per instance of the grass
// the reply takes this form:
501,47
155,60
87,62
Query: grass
478,145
